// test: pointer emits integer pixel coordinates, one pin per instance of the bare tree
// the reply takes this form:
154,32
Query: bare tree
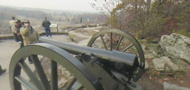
105,6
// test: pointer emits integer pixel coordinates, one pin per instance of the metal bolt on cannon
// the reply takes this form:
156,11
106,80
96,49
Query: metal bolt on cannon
115,64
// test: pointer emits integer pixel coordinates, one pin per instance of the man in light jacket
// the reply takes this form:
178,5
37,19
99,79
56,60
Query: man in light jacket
29,35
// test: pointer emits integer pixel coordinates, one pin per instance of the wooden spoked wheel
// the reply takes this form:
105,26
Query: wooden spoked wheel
25,76
114,39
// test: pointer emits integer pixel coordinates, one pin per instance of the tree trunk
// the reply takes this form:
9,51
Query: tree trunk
136,7
148,7
158,7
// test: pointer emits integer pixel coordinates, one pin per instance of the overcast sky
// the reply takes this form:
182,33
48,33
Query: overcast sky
76,5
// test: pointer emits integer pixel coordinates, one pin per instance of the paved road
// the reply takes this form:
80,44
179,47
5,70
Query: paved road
7,49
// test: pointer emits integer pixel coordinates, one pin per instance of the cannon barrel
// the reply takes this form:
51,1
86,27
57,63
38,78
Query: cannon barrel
87,67
113,56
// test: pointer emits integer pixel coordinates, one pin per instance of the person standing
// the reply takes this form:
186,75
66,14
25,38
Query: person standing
11,27
81,20
29,35
11,22
46,24
16,30
2,70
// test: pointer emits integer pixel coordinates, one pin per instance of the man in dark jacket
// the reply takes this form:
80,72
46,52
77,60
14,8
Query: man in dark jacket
16,30
46,24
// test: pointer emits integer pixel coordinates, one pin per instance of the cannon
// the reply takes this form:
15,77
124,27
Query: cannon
106,64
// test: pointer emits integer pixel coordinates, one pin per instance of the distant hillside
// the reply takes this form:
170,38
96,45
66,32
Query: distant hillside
6,13
50,11
56,16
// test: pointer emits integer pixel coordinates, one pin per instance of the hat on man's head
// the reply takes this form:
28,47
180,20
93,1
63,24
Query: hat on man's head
26,21
17,21
13,17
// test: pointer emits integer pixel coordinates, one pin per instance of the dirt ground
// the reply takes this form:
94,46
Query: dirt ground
156,83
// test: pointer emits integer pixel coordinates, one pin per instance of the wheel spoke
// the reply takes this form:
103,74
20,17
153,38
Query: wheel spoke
17,73
54,77
121,38
111,42
25,83
77,86
70,83
128,47
40,72
31,75
95,45
104,43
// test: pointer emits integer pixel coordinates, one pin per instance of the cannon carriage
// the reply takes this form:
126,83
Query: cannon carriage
107,66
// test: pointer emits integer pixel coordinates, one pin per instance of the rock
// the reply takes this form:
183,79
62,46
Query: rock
149,56
77,36
158,64
160,51
176,46
150,50
143,48
155,40
62,82
87,31
83,42
146,65
165,64
168,86
81,34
